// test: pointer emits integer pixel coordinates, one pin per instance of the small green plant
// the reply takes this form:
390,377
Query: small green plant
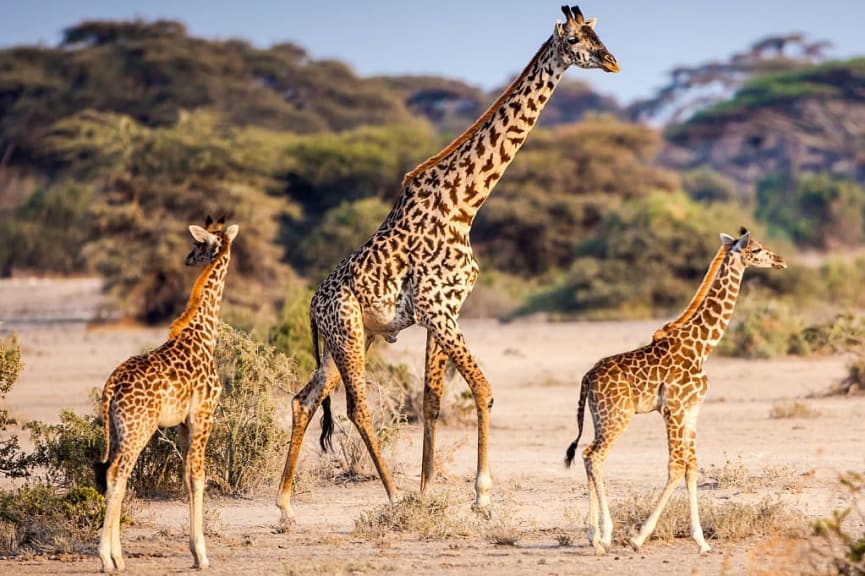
838,544
13,461
65,452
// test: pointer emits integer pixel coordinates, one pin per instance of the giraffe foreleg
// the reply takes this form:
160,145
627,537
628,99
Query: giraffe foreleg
450,338
350,360
198,431
675,472
436,360
691,478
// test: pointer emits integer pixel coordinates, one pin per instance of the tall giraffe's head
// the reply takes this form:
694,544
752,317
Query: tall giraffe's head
751,252
209,240
577,43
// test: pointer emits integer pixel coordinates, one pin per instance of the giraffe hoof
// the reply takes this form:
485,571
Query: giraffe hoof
634,544
599,547
705,548
483,510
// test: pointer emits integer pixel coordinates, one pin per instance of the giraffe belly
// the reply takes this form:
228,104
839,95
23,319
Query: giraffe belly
387,319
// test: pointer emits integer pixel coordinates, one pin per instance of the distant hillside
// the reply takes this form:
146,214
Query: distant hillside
811,119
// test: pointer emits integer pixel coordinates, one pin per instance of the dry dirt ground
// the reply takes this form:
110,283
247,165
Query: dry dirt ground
535,369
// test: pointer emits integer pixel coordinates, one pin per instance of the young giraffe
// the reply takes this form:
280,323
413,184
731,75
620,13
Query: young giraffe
666,375
419,267
173,385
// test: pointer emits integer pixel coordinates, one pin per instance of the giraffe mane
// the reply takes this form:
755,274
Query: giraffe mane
435,159
698,297
195,297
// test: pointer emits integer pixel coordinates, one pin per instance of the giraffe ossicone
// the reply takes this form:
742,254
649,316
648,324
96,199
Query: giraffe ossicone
419,267
665,376
174,385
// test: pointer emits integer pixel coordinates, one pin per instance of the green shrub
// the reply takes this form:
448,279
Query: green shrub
813,210
247,443
13,461
342,230
64,453
760,328
291,332
42,520
645,258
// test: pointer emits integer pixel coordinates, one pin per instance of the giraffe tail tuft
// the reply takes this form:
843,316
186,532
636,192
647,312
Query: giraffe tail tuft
324,440
581,413
100,473
569,455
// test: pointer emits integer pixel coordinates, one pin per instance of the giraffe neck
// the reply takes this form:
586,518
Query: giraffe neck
709,321
699,296
201,318
457,181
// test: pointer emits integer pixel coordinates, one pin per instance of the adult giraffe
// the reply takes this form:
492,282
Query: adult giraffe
418,268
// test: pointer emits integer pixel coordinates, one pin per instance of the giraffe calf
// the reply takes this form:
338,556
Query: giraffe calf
666,375
173,385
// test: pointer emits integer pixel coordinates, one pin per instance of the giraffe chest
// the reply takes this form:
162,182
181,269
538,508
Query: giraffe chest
182,377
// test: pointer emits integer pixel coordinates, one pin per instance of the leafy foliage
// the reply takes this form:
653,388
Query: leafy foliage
645,258
12,458
815,210
562,185
38,519
247,443
148,185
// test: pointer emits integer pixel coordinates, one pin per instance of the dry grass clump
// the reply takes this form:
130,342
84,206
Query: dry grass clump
734,475
440,515
428,515
724,521
40,520
796,409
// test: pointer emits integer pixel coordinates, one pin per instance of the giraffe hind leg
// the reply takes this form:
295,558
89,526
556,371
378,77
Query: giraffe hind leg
607,429
119,468
436,360
303,406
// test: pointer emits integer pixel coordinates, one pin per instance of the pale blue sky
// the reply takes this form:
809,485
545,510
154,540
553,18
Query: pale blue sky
479,41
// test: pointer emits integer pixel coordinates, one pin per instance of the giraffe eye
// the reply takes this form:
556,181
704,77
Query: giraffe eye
573,40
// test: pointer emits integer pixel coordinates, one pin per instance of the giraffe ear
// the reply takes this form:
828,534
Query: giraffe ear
231,232
591,22
744,238
199,233
727,240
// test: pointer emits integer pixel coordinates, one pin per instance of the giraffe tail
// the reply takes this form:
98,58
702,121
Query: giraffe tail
581,413
100,467
324,440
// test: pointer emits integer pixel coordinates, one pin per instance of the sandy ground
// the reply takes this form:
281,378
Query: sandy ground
535,369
